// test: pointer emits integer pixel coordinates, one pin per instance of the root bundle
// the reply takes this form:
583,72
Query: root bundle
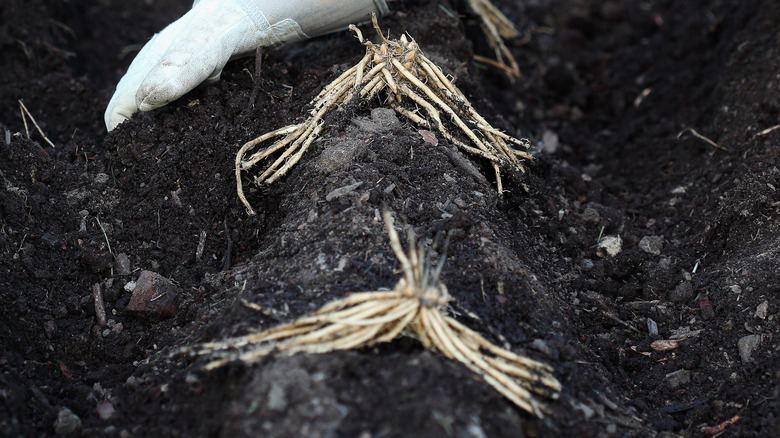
415,307
409,83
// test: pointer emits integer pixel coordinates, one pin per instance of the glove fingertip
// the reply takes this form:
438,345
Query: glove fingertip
172,80
118,110
161,95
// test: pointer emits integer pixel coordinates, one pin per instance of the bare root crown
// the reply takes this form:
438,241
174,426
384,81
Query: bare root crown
412,85
415,307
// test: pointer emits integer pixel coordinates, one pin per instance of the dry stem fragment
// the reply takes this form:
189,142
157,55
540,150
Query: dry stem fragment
100,308
398,69
417,308
29,114
701,137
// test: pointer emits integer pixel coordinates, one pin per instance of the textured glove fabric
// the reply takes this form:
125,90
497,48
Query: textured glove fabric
196,47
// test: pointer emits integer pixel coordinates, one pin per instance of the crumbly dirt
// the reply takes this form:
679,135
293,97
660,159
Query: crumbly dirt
607,94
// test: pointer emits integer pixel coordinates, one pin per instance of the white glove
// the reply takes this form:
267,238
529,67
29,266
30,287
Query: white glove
197,46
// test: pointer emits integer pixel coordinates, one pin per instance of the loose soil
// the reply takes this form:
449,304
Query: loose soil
607,93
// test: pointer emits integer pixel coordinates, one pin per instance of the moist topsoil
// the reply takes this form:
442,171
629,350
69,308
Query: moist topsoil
647,121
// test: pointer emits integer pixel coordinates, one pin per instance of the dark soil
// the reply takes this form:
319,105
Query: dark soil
618,83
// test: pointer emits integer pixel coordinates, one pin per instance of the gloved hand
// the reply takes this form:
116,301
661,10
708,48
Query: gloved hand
197,46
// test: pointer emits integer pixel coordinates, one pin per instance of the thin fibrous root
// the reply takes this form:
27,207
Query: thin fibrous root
416,307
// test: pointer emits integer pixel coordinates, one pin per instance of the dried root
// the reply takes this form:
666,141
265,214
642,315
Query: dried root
397,69
497,28
416,307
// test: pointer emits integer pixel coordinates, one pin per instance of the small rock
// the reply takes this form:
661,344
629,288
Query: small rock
117,328
342,191
154,297
428,137
105,410
549,142
122,264
652,244
609,246
706,310
133,382
737,289
586,410
49,328
652,327
762,310
191,379
545,348
678,378
67,422
473,430
101,178
587,264
747,345
682,293
277,397
684,333
591,215
665,345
